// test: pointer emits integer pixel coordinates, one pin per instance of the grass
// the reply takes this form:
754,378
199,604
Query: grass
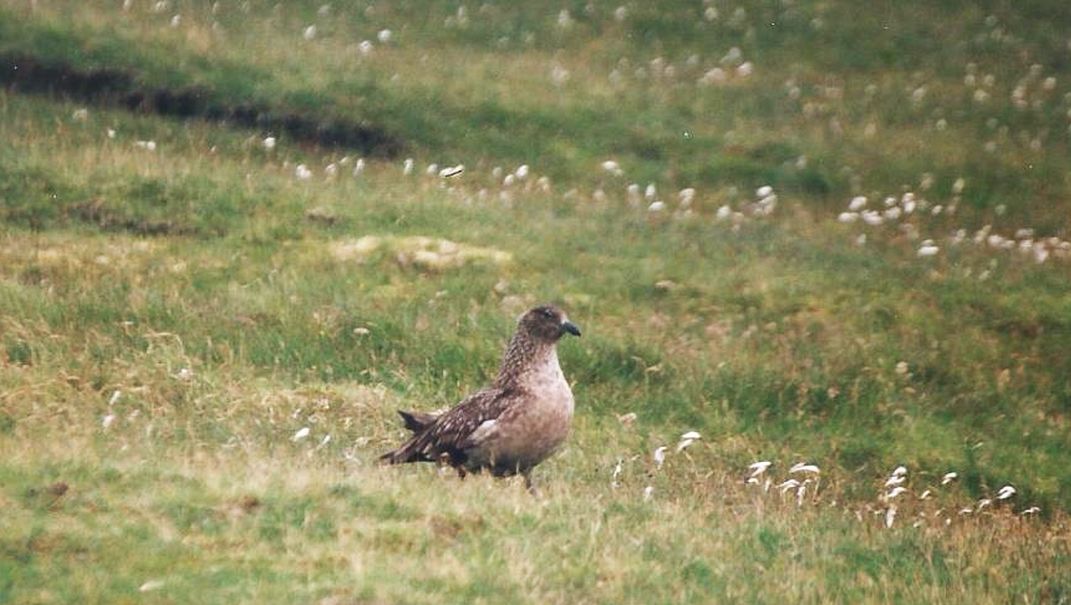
169,319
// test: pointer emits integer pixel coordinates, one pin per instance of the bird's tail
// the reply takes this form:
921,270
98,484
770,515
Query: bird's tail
417,421
410,451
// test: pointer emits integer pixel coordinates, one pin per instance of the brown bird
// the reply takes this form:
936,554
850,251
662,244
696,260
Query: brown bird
512,425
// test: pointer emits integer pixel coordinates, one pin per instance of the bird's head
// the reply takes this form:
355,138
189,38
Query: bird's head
547,323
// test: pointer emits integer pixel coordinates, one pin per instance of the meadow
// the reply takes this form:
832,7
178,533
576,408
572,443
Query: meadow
832,239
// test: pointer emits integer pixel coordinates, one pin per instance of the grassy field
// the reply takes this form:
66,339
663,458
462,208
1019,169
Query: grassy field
814,232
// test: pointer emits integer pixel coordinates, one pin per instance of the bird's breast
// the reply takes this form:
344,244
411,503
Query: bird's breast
550,391
532,430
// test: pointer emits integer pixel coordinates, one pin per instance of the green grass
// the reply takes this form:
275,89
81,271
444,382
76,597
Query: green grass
169,319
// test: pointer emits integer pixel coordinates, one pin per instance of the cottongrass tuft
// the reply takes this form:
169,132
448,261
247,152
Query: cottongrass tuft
803,467
659,455
452,171
612,167
788,484
684,444
758,468
894,492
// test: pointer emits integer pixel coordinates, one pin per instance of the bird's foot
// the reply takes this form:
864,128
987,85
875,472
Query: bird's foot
531,487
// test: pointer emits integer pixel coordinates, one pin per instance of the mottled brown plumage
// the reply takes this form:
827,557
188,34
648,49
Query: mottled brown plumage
511,425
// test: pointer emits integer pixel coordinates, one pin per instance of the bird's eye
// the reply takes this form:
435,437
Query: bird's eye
548,313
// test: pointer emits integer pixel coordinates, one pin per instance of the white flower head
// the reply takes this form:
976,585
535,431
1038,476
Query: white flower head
894,492
302,433
616,473
758,468
687,440
894,480
802,467
687,196
858,203
788,484
612,167
872,218
452,171
660,455
928,249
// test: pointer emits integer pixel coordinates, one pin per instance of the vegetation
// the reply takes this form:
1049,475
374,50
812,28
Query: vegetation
183,292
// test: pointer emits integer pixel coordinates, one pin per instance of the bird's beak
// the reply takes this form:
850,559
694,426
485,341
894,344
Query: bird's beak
570,327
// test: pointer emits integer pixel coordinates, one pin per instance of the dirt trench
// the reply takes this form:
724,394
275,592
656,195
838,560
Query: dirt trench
116,88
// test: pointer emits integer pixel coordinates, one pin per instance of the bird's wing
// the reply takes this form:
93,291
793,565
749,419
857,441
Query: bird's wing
452,430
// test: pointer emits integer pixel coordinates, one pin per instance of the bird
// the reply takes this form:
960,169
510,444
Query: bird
511,425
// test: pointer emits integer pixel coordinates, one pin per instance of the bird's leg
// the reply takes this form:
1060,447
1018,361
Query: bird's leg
446,460
531,487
